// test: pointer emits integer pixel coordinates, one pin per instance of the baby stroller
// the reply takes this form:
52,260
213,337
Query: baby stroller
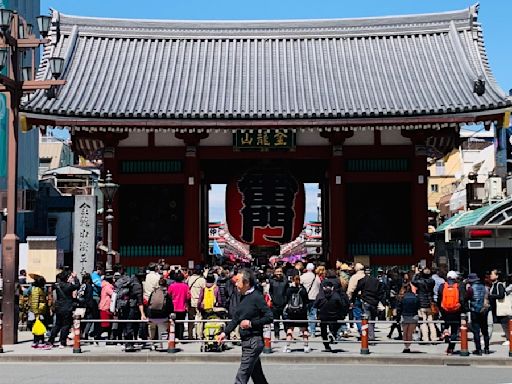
212,329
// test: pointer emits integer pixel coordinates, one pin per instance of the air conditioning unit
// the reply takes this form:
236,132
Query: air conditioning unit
493,186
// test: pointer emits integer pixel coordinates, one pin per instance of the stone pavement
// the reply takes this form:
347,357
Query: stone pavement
385,351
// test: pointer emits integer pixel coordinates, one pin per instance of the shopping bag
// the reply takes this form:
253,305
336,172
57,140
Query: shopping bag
38,328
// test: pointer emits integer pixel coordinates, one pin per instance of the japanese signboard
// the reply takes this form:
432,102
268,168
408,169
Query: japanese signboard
84,234
264,140
265,207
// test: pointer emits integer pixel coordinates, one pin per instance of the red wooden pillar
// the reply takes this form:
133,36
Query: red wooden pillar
336,195
192,238
192,172
419,202
337,230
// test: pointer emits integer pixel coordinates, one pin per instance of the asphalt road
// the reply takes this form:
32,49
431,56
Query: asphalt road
126,373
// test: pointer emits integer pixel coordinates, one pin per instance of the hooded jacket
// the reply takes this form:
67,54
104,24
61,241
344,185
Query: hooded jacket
331,305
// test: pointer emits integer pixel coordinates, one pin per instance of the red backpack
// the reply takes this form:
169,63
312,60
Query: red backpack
450,301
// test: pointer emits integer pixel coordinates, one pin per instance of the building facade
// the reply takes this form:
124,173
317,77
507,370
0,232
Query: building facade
355,105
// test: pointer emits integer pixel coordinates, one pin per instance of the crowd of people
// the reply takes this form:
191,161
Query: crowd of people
303,296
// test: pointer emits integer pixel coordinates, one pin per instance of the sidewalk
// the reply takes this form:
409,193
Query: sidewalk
345,352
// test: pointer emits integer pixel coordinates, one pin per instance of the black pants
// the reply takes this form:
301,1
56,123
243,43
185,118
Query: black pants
129,330
333,326
452,321
479,324
63,322
250,364
180,327
277,313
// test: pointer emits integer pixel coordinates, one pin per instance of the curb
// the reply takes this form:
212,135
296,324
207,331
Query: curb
141,357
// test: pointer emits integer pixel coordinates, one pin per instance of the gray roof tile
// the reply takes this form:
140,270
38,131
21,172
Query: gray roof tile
388,66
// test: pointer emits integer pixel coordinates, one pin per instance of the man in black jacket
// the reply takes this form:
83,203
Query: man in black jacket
277,291
66,284
251,315
424,284
371,293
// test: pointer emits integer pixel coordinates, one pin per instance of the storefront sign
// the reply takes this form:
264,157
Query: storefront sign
263,140
265,207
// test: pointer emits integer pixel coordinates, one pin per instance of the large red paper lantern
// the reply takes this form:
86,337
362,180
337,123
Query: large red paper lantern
265,207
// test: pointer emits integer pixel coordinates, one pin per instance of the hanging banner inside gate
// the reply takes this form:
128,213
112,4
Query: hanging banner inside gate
265,207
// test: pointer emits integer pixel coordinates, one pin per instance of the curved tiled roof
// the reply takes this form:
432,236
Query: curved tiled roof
387,66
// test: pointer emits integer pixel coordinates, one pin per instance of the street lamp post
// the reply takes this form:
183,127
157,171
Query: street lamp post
109,189
16,40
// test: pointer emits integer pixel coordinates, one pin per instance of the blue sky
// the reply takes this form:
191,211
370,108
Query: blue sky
495,15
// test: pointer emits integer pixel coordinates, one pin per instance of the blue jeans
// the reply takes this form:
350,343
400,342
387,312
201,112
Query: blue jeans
371,312
357,312
311,316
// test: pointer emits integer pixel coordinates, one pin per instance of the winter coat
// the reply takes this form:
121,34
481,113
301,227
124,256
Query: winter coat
221,283
38,304
371,290
331,305
233,297
106,296
64,291
424,289
277,291
408,305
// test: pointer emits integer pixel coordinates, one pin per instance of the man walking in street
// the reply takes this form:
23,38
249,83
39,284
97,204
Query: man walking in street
251,315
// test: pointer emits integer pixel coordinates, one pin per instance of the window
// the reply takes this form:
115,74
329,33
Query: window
440,168
434,188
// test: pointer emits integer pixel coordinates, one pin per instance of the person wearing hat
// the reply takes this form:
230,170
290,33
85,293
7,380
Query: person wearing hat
312,284
196,283
451,300
478,297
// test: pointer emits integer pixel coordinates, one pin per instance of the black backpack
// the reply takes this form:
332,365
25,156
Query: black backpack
122,290
295,303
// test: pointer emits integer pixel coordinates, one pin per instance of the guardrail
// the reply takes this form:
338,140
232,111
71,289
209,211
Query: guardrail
267,333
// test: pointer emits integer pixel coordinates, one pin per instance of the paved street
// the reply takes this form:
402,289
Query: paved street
224,373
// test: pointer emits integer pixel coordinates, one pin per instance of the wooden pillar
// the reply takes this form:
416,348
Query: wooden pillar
419,202
192,190
337,243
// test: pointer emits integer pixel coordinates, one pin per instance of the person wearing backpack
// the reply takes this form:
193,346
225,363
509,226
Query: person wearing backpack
160,306
296,309
332,306
478,297
128,306
451,302
209,296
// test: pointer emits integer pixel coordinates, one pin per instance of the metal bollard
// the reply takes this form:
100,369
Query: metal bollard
267,338
1,333
171,335
464,351
509,337
76,330
364,336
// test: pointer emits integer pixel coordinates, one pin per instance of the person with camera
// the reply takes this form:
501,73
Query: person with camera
251,315
66,284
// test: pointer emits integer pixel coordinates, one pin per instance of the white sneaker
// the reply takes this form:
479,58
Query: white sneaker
506,343
287,349
307,349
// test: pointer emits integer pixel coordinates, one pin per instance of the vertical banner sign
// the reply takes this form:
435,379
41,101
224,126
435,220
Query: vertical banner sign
3,120
84,244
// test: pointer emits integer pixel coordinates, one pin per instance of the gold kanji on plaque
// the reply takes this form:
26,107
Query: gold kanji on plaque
262,139
246,139
280,138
